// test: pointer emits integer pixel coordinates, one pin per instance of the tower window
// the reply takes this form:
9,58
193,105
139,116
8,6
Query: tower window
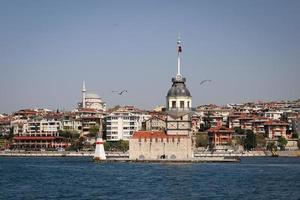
173,104
188,104
181,104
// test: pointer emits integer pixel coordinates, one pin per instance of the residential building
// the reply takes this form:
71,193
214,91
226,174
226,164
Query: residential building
275,129
121,124
220,136
89,118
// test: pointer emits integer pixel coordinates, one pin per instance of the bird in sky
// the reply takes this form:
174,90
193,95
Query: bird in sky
120,92
204,81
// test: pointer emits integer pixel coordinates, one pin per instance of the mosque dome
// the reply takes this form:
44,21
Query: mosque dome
178,88
92,96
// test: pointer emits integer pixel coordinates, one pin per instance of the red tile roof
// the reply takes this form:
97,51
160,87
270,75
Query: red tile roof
34,138
276,123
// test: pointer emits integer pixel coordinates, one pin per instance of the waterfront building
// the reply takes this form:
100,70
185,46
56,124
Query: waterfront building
220,136
175,142
275,129
91,100
37,141
258,125
69,122
19,126
121,124
89,118
46,124
5,125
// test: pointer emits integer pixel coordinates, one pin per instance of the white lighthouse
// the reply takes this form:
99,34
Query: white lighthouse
99,151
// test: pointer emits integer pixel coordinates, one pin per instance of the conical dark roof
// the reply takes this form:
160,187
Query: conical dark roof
178,88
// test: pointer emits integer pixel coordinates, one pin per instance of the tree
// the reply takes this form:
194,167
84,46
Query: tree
201,140
94,130
282,142
271,146
77,144
250,140
124,145
239,131
121,145
207,120
70,135
295,135
260,140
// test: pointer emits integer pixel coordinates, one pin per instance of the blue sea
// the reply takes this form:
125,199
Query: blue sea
80,178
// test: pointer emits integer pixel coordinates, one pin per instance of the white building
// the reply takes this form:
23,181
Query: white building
274,114
91,100
43,125
121,124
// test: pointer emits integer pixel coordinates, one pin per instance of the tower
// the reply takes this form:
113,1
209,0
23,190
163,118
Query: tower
83,94
178,102
99,150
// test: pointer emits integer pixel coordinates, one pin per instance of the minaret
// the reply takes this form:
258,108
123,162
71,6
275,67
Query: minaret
83,94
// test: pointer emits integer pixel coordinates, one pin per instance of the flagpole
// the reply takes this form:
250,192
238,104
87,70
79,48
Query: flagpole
179,50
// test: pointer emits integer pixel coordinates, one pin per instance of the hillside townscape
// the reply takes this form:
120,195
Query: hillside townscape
234,128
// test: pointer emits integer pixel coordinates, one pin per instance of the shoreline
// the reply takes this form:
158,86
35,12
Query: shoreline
125,156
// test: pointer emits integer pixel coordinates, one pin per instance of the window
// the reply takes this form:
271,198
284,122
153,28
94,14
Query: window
188,104
173,104
181,104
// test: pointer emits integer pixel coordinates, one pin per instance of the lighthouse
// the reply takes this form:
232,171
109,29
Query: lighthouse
99,150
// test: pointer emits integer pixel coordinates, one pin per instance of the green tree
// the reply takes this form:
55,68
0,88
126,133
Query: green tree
207,120
201,140
239,131
250,140
271,146
124,145
260,140
121,145
94,130
295,135
237,140
282,143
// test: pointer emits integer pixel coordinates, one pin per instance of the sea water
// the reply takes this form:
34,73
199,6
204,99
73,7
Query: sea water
80,178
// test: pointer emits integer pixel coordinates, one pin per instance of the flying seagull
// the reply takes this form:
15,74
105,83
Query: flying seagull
120,93
202,82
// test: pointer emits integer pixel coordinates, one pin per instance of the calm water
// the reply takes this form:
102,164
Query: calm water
79,178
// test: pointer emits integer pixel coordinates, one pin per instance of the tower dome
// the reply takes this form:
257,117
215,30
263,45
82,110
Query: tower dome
178,88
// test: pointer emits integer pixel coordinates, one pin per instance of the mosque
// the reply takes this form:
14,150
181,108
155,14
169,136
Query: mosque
176,141
91,100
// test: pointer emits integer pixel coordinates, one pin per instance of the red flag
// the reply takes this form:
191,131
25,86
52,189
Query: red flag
179,49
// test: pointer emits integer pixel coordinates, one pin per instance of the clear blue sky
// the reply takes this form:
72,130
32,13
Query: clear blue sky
250,49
